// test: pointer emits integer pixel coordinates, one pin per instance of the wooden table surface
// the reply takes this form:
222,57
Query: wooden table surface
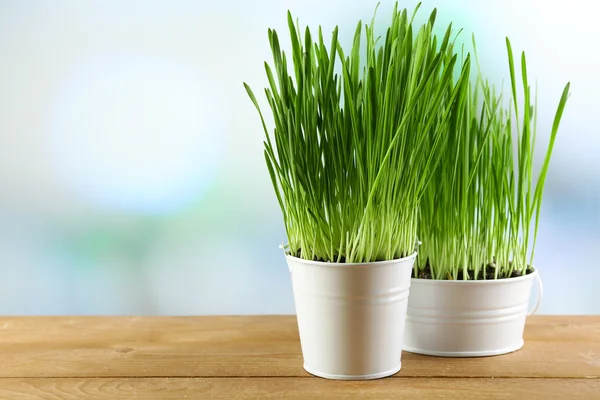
259,357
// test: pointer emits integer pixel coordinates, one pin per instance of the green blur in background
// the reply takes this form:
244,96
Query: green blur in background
132,178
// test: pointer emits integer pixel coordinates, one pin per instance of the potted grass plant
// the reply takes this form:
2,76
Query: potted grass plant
349,162
478,225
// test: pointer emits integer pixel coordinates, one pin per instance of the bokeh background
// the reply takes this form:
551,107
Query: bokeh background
132,179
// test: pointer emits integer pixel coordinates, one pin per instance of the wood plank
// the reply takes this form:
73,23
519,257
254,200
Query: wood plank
295,388
562,347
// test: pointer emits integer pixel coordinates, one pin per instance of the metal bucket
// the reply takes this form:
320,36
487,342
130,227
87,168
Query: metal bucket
468,318
351,316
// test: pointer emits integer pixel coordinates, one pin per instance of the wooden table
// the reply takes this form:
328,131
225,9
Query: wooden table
259,357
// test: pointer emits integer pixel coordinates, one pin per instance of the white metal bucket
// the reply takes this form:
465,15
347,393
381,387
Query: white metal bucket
468,318
351,316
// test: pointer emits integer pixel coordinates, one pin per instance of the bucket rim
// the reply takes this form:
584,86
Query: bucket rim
449,282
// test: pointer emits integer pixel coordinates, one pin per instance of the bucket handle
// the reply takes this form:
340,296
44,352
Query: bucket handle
540,294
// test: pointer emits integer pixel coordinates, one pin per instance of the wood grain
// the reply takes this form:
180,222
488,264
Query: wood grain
295,388
262,346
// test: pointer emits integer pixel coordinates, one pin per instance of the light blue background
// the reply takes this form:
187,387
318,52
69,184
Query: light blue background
132,178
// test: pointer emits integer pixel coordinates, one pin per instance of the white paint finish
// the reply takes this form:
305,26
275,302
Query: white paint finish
351,316
467,318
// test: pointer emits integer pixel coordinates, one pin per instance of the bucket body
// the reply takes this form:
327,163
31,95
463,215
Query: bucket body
351,316
468,318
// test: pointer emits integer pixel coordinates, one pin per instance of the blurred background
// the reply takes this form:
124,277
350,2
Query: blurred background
132,178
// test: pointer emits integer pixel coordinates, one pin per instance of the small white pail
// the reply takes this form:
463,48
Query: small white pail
468,318
351,316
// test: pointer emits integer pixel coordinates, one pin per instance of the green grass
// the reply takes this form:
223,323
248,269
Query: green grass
482,207
351,154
